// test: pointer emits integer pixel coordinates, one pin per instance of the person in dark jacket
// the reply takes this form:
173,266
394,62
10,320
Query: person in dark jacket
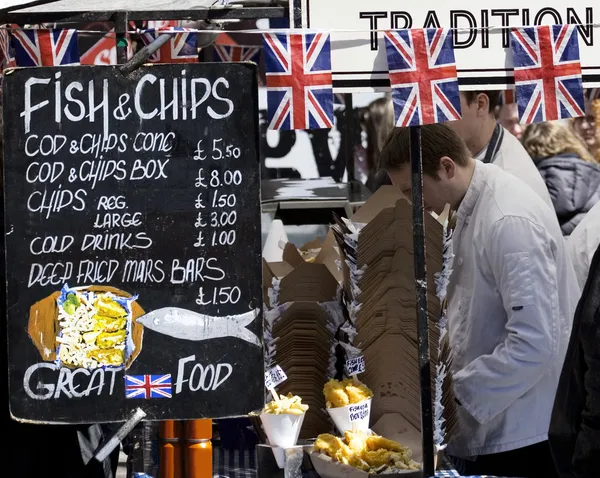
569,171
574,433
377,121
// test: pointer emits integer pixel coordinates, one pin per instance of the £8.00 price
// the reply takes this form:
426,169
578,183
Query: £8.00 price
228,178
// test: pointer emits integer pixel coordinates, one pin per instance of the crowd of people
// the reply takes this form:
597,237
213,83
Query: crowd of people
524,294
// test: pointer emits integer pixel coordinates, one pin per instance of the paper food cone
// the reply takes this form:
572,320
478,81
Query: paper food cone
341,418
272,252
282,430
279,454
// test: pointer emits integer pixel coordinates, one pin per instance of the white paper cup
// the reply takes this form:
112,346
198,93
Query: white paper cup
282,432
341,417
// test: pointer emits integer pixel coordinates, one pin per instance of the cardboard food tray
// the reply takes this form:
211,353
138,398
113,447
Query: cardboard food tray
392,426
43,326
327,468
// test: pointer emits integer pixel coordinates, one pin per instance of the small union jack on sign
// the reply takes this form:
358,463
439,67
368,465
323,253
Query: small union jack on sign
547,72
298,73
233,53
38,47
422,76
181,48
148,386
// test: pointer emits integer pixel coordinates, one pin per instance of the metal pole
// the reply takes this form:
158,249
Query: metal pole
421,296
349,143
121,30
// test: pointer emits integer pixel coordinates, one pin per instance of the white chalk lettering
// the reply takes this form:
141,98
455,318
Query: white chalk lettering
52,273
209,376
143,271
66,383
47,146
193,269
44,172
50,245
29,108
228,102
102,272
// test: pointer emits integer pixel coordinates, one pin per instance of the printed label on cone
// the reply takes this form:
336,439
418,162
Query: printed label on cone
355,366
274,377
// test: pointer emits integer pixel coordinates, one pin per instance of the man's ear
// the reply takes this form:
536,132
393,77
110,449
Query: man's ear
448,166
483,104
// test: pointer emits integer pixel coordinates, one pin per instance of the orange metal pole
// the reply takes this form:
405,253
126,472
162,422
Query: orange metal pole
198,449
171,449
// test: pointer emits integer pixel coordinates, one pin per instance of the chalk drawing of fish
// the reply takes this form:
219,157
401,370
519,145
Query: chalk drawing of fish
189,325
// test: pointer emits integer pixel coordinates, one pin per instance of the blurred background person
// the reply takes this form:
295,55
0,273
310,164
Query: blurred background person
582,243
569,171
377,120
574,434
489,142
585,126
507,114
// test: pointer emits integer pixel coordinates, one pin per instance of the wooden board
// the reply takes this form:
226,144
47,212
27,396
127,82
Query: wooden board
113,185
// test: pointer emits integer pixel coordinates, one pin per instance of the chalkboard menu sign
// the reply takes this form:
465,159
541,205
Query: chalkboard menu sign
132,208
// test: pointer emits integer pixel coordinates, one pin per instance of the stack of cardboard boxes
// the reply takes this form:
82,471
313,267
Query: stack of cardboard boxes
379,285
301,322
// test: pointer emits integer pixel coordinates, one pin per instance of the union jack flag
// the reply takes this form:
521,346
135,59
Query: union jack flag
298,74
181,48
7,58
422,76
233,53
547,72
148,386
41,47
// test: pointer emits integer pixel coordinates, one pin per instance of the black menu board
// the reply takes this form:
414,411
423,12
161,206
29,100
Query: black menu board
132,209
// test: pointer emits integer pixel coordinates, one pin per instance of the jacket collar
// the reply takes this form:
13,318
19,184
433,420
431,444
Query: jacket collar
477,182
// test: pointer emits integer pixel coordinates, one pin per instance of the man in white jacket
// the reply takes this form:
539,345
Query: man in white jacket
489,142
511,299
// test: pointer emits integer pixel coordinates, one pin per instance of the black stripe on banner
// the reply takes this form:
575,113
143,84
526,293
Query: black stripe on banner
500,81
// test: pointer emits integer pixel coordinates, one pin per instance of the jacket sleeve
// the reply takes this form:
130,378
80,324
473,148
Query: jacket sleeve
521,256
587,444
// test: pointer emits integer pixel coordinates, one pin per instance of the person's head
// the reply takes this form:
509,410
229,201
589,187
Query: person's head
377,121
447,165
508,116
585,127
543,140
478,118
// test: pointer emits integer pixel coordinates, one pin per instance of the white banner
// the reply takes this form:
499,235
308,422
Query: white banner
482,53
